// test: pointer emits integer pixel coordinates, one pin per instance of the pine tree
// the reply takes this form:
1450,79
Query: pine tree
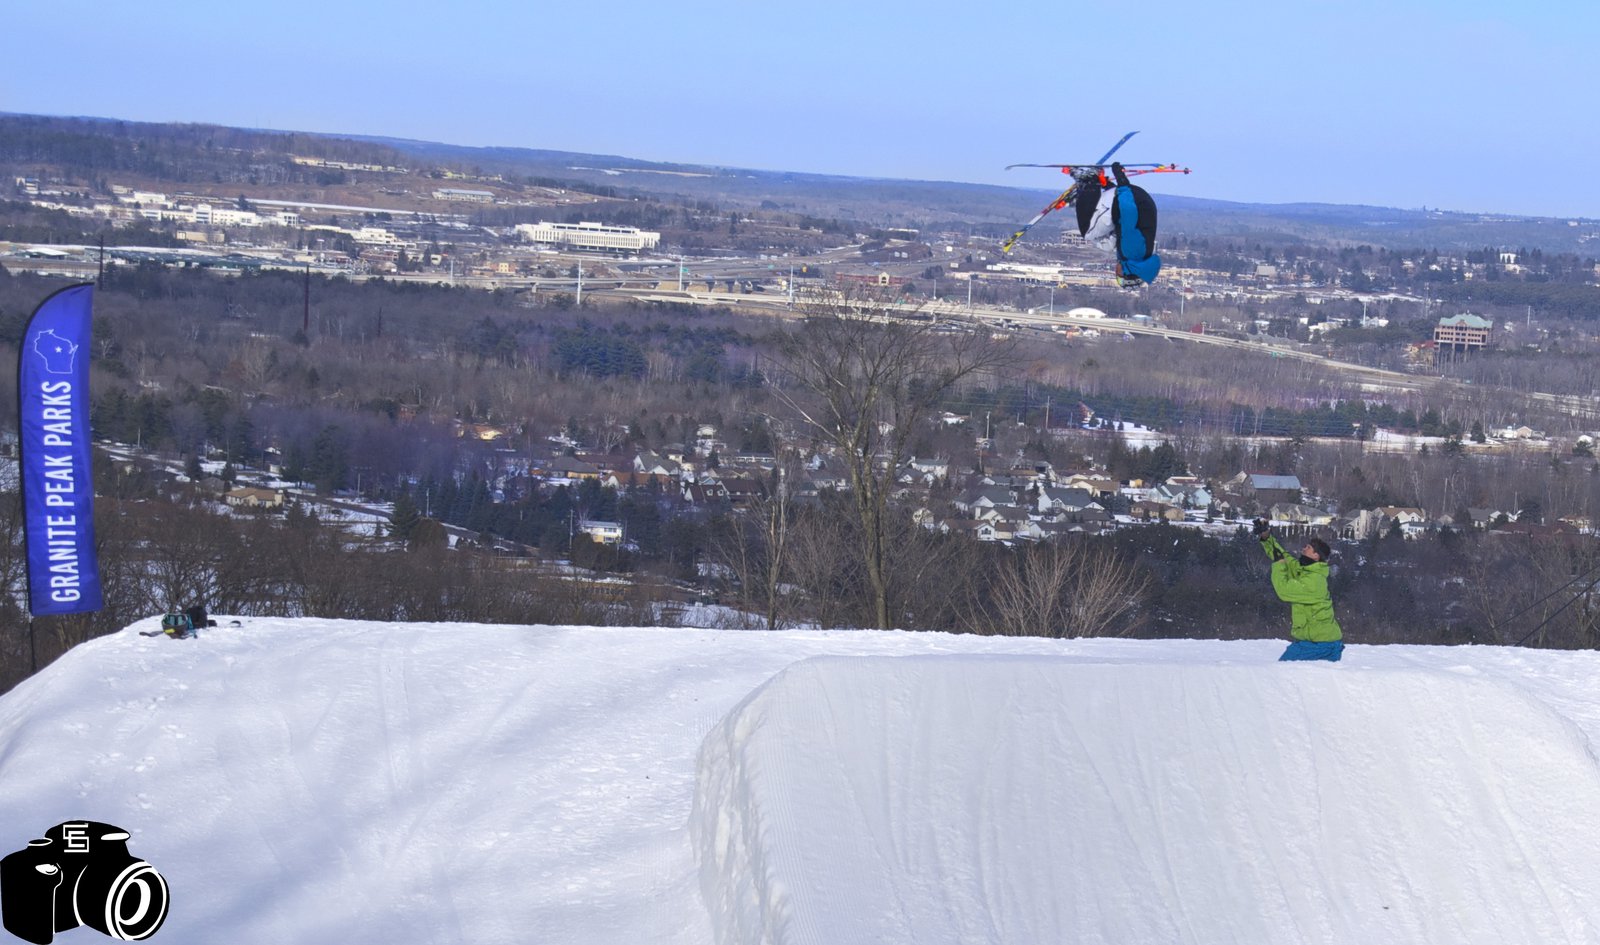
403,520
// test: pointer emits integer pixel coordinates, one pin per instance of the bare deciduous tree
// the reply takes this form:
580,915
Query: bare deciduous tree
863,378
1061,589
815,539
1101,588
17,655
755,546
182,555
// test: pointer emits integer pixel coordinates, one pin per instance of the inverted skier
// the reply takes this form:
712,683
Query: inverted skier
1120,218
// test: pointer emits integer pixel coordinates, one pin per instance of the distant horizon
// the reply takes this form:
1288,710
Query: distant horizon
1401,103
381,138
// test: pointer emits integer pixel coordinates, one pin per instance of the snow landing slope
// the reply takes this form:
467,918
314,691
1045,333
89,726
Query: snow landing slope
1009,799
363,783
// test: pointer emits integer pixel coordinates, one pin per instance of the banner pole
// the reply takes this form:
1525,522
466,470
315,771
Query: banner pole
33,651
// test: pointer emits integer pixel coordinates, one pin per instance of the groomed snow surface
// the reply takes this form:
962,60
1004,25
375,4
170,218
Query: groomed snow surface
331,781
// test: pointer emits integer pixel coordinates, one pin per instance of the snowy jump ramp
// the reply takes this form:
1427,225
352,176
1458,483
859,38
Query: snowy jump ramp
999,799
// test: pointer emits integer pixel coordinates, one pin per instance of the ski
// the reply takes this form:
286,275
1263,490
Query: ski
1162,169
1065,200
1070,167
1131,170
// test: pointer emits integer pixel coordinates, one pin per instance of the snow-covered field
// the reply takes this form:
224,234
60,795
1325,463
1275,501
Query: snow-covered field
329,781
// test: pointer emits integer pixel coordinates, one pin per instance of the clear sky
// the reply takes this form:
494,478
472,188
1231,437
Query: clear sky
1454,104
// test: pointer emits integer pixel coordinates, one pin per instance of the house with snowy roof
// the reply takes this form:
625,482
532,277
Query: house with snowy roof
1188,495
656,464
1268,489
980,497
1056,500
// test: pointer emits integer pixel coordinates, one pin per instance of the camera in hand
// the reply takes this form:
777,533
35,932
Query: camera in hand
81,873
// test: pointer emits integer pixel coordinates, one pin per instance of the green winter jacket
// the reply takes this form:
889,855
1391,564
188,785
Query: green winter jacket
1305,587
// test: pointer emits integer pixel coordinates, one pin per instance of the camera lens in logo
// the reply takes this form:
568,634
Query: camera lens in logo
132,906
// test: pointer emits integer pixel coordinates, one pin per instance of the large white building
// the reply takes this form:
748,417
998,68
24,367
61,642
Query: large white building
589,236
375,235
467,196
206,214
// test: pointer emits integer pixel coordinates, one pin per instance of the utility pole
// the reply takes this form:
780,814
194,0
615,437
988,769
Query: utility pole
100,280
791,285
680,273
305,319
1047,415
969,293
579,303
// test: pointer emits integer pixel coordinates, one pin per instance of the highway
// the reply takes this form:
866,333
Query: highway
1005,318
1374,377
775,302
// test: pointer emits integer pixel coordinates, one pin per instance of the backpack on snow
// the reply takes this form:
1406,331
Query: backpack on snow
177,625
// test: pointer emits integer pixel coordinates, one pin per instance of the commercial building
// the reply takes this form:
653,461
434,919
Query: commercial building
465,196
1461,334
595,236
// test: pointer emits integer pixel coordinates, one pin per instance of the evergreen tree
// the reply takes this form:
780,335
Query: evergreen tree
403,520
429,533
328,465
295,461
239,439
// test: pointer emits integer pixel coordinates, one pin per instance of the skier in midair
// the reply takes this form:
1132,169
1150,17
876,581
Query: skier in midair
1121,220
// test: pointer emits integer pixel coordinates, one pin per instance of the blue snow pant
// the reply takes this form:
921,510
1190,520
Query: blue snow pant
1307,650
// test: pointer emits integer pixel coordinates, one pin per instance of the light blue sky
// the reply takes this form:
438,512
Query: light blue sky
1460,105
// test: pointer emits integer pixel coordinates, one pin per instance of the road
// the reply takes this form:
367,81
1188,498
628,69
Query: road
1373,378
643,287
1006,318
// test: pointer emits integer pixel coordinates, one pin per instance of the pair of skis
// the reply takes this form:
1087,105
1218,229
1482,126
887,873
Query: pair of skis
1071,193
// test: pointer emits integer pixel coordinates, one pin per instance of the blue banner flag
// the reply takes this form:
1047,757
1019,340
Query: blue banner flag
57,485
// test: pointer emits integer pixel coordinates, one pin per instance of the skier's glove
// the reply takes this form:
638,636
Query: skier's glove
1260,529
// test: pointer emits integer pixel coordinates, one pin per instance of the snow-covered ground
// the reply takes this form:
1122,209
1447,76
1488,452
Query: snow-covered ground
322,781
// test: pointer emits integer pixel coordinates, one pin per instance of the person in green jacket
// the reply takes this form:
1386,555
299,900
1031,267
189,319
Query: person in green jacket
1303,582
